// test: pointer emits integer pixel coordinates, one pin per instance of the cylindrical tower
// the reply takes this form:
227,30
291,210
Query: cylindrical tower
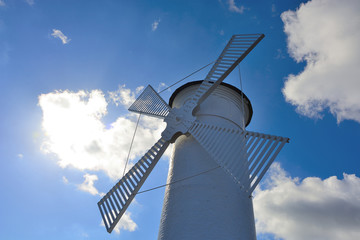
211,205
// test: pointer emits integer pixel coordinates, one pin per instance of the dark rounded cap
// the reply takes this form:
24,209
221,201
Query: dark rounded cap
246,99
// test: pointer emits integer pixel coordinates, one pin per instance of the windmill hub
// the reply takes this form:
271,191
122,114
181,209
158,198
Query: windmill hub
179,118
178,122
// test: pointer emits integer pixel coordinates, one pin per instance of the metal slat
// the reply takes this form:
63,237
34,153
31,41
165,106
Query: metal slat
127,187
234,159
228,150
275,143
222,135
138,167
223,139
257,150
150,103
149,157
136,175
237,46
242,165
259,157
200,133
261,160
111,213
120,200
240,139
267,166
103,216
123,191
234,61
145,160
208,139
253,158
213,135
198,130
245,174
238,152
144,164
154,149
216,150
203,134
230,158
194,128
123,194
131,181
228,147
112,200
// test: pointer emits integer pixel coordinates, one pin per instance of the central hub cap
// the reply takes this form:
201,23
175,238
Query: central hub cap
179,118
177,121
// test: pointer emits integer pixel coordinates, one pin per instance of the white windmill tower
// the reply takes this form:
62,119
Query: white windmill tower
206,121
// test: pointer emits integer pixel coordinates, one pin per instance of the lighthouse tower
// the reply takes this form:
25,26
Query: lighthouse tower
207,206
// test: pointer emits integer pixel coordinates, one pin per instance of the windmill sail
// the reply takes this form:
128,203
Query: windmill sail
150,103
235,51
245,156
229,146
113,205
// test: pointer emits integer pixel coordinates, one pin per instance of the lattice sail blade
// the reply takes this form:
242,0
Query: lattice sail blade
150,103
245,156
234,52
260,159
113,205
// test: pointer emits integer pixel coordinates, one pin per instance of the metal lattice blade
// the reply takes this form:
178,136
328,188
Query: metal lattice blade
246,156
235,51
150,103
113,205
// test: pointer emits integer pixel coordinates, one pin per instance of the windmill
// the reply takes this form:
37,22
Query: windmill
206,121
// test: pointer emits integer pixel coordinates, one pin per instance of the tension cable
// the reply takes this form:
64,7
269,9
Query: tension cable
242,98
185,77
180,180
132,141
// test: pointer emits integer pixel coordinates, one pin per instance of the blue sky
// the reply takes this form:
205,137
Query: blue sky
70,69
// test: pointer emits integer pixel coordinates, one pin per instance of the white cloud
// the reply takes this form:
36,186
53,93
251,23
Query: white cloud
58,34
162,86
155,25
76,134
88,184
273,8
291,209
123,96
20,156
139,89
325,34
2,3
279,54
30,2
234,8
65,180
125,223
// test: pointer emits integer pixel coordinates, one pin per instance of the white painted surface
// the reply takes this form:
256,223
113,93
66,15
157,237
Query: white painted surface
211,205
